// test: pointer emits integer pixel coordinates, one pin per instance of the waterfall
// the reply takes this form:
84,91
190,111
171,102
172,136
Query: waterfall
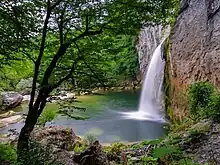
152,94
150,106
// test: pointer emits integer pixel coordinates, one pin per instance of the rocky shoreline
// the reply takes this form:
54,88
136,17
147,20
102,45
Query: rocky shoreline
199,142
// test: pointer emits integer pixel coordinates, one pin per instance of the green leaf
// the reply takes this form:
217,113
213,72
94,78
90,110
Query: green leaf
163,151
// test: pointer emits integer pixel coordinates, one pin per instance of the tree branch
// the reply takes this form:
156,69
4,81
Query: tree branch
28,56
61,25
38,61
68,75
55,4
61,51
90,67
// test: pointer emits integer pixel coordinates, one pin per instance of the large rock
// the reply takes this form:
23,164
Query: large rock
55,136
10,100
94,155
63,157
11,120
195,43
148,40
7,114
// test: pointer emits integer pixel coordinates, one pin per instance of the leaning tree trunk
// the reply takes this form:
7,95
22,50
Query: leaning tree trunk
31,120
23,140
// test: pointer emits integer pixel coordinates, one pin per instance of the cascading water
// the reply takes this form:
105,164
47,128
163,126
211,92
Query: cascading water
150,106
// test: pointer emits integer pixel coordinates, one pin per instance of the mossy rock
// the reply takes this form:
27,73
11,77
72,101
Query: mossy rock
201,127
195,134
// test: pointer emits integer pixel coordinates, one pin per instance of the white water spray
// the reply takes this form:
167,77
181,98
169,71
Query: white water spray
150,106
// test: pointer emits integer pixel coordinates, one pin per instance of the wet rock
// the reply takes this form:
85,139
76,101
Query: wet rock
11,120
56,136
10,100
7,114
94,155
26,98
62,96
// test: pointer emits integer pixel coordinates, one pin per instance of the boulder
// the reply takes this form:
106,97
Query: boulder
7,114
63,157
56,136
10,100
26,98
11,120
94,155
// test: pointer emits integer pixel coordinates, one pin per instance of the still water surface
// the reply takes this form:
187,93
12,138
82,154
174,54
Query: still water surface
105,120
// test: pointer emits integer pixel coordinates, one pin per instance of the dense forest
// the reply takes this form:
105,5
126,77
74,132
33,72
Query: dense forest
107,61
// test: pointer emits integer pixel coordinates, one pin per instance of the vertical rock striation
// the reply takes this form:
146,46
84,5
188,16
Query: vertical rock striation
195,42
194,49
149,38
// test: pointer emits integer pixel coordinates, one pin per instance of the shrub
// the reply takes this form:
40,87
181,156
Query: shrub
80,147
115,148
7,154
199,95
38,155
90,138
47,116
214,107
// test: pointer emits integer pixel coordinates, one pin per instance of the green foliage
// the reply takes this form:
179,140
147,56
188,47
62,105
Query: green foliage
11,75
115,148
213,109
204,101
7,154
47,116
90,138
39,155
161,152
184,125
80,147
199,97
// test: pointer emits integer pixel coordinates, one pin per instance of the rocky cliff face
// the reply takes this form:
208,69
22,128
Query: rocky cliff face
195,42
149,38
194,49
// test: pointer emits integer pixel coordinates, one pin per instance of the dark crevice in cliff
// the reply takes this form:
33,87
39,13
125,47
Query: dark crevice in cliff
212,9
212,14
184,5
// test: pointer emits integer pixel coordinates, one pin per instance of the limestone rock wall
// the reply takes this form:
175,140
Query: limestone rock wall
194,50
195,42
149,38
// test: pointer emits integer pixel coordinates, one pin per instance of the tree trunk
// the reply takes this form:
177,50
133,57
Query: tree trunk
31,120
22,147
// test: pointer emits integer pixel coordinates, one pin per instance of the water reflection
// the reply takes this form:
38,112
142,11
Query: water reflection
105,122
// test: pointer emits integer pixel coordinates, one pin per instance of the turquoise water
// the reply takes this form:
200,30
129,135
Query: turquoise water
105,122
